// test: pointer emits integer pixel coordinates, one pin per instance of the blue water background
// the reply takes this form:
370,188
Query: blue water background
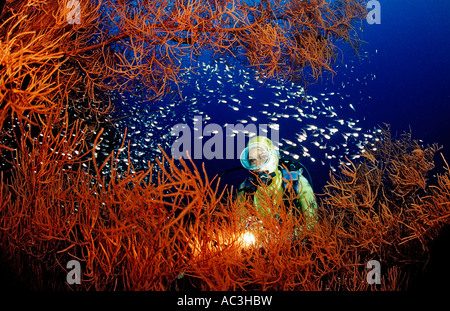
410,56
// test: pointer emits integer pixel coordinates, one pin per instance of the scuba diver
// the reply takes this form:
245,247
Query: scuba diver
262,159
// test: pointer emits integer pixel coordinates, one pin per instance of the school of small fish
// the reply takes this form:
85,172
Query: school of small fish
322,127
318,127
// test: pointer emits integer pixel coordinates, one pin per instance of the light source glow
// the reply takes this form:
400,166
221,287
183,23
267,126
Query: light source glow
248,239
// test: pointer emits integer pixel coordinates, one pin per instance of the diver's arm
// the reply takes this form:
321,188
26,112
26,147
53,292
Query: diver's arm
308,202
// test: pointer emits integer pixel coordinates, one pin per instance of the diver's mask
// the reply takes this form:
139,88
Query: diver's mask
258,156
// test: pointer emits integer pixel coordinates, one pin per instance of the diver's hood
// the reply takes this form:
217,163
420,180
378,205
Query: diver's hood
271,155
